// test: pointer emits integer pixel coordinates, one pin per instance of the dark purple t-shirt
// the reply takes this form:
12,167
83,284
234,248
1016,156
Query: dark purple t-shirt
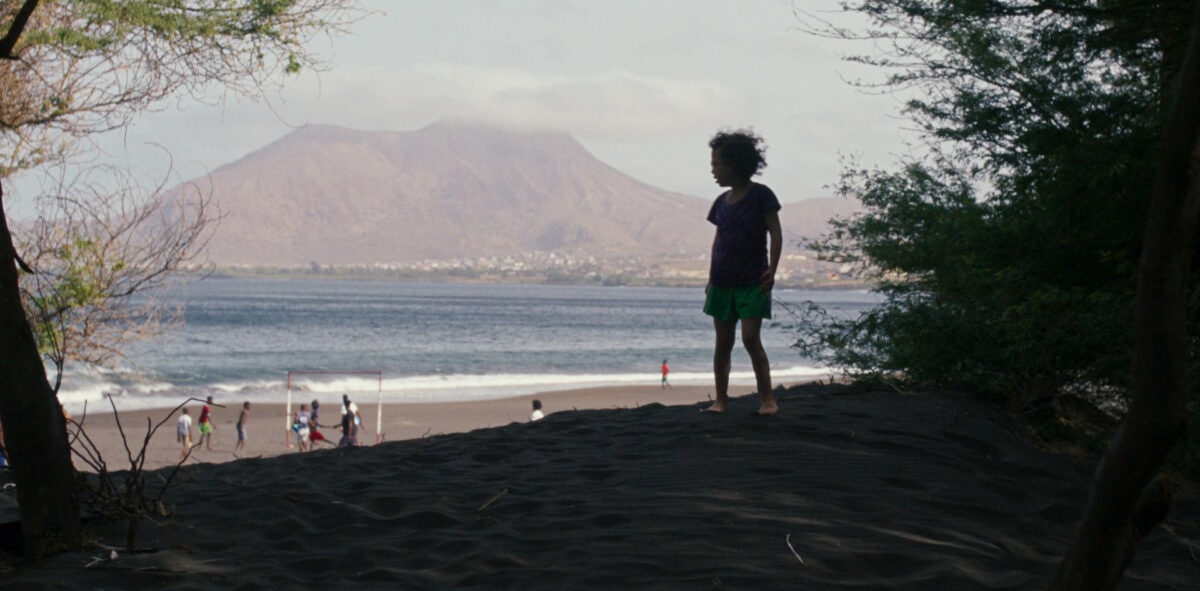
740,251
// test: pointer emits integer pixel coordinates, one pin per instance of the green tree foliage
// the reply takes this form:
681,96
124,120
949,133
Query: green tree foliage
78,288
1007,254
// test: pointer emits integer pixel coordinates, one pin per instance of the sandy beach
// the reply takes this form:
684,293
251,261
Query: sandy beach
268,433
624,488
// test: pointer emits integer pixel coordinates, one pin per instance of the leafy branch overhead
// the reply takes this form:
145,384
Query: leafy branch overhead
89,66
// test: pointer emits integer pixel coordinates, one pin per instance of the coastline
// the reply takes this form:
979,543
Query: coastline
693,278
267,426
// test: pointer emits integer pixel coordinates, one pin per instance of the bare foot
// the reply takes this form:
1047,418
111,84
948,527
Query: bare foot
769,407
717,406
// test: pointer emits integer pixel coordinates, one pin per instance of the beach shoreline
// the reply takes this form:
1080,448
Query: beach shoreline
268,432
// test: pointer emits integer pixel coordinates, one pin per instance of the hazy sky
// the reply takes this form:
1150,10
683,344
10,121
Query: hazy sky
641,84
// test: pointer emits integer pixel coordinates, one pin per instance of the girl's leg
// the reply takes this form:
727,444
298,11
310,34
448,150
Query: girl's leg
752,340
721,354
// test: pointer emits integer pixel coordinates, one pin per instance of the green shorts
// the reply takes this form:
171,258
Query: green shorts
205,428
731,303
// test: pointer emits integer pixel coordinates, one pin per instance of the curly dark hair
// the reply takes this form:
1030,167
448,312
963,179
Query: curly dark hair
742,149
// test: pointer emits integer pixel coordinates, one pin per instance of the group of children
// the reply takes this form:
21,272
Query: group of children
306,427
207,428
183,429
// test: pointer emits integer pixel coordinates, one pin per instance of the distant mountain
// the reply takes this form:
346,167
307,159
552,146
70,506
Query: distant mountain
339,196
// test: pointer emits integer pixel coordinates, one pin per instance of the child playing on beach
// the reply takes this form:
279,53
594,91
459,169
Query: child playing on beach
300,424
351,408
349,425
183,433
314,426
206,424
241,427
742,271
666,369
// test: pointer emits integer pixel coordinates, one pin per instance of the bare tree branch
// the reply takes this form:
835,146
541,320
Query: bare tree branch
16,29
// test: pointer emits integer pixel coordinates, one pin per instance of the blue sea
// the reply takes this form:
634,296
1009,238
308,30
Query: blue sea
423,342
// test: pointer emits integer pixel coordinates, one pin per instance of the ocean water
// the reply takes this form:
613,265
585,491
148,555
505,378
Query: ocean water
421,342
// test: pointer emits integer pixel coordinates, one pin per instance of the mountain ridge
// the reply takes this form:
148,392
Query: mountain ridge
335,195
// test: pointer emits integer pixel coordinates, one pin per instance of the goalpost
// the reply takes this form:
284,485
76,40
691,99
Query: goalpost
287,429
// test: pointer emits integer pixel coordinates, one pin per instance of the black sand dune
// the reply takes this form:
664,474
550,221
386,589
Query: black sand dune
843,490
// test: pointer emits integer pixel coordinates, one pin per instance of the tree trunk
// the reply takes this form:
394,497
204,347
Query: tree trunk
1127,499
34,428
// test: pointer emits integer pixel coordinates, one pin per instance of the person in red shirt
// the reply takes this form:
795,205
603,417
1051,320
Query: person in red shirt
206,424
665,370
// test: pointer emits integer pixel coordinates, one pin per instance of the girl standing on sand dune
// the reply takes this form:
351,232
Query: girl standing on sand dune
742,272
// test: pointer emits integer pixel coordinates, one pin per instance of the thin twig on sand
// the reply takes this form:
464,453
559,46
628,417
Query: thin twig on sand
788,539
493,500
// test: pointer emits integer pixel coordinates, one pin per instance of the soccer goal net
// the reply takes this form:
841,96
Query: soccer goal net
351,382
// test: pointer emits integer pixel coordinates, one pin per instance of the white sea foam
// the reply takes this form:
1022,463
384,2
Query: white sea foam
391,389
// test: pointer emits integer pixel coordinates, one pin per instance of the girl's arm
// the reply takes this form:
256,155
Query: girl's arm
712,253
776,234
